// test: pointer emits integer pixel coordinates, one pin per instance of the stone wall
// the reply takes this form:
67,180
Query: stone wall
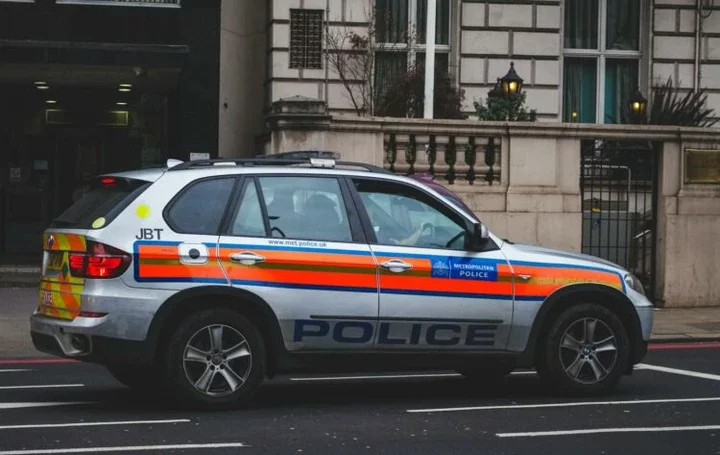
689,232
675,44
494,33
243,36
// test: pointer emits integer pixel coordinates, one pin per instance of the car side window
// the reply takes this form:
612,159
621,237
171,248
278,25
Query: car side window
248,219
200,208
403,216
307,208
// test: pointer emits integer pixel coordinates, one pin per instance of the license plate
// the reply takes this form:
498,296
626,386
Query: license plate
55,261
46,298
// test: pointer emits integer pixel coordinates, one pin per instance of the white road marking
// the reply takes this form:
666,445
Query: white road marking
694,374
92,424
607,430
571,404
125,448
15,370
396,376
41,386
40,404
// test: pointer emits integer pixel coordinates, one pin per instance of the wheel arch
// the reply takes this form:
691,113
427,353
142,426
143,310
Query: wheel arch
244,302
609,297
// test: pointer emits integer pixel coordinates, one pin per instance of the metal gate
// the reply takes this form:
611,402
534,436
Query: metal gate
618,183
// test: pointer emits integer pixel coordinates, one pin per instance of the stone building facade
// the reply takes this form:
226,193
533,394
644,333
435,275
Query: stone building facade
580,59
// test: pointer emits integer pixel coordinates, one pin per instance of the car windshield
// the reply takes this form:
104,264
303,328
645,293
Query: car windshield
428,180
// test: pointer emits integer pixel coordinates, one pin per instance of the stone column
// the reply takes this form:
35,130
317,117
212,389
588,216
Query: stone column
543,196
688,248
297,123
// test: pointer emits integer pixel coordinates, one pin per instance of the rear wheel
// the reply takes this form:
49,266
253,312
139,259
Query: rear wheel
586,350
216,359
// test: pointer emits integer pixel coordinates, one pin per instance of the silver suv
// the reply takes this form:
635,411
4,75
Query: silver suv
203,278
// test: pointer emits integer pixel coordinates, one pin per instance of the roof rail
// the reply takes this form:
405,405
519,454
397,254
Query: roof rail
303,154
270,160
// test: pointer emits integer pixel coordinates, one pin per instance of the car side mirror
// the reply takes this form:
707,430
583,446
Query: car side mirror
479,236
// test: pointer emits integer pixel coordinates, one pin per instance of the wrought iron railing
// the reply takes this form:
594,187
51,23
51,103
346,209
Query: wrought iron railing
453,158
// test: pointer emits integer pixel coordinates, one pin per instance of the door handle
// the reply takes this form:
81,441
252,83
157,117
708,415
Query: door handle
247,258
396,266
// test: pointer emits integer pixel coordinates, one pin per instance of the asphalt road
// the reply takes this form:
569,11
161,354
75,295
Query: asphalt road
649,413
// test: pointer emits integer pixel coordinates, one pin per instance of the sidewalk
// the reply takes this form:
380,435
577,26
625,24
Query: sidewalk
686,324
16,304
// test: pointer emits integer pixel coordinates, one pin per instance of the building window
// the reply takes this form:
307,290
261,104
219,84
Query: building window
400,27
306,38
601,56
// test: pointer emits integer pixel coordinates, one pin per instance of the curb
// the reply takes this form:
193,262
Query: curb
685,339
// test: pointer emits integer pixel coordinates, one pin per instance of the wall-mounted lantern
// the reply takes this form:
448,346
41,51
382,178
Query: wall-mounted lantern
511,83
638,103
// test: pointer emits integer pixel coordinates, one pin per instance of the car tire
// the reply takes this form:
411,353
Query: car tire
585,352
216,360
144,378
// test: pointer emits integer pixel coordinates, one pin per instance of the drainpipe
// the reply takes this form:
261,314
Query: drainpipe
698,24
327,56
430,60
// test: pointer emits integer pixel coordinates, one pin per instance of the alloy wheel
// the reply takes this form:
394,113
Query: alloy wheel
217,360
588,350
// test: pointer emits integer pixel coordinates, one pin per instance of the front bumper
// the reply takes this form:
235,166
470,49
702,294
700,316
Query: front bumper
646,316
645,313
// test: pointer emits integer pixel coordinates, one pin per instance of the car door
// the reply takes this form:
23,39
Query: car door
294,241
434,292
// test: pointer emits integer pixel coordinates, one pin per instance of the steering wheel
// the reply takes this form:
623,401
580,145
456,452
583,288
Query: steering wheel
424,227
278,230
452,240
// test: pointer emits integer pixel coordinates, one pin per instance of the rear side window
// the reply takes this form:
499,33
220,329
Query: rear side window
200,208
101,202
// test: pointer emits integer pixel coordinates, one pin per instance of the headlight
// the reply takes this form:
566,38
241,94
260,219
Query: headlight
634,283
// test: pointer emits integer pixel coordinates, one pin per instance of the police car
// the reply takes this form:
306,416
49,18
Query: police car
203,278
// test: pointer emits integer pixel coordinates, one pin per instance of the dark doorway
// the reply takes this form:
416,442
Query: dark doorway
50,177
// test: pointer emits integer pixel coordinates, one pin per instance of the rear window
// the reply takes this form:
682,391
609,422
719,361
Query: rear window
104,197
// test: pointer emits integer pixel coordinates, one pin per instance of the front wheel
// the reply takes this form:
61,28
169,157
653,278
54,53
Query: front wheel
216,359
586,350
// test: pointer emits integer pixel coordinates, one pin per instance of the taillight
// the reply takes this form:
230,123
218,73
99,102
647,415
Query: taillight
77,264
100,261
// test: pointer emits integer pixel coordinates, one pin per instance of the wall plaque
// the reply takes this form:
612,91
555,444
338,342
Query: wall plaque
702,166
